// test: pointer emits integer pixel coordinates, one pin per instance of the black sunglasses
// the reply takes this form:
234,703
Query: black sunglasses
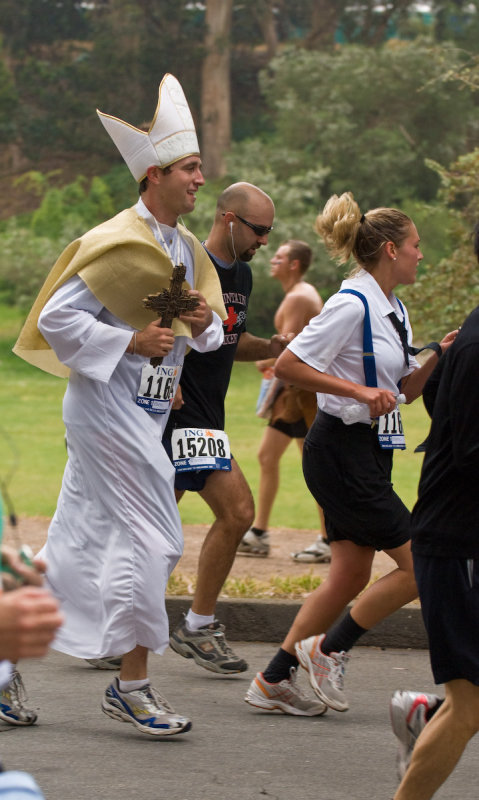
260,230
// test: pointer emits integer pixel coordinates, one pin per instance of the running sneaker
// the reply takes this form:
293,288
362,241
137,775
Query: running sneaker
317,553
285,696
108,662
326,672
12,698
408,717
253,545
145,708
208,647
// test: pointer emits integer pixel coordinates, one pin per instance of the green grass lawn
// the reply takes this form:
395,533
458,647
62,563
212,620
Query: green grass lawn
32,441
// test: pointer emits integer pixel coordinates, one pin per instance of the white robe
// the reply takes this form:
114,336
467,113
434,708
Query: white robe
116,534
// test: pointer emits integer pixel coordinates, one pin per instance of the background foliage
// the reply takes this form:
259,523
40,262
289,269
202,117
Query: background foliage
376,98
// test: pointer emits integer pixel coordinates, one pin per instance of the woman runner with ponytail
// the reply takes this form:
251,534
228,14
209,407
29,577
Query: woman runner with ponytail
357,351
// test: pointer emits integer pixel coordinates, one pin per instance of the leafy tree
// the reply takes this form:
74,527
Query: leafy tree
457,20
371,115
28,251
447,291
25,260
8,100
32,24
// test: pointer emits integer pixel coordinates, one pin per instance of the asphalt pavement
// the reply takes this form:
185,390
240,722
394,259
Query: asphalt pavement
233,752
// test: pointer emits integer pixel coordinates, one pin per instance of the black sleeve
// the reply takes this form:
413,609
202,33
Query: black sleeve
429,392
464,410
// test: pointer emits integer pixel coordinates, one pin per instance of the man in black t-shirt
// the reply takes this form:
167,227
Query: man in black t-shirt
195,435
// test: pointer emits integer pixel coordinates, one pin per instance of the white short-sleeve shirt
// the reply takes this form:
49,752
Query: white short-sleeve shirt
332,342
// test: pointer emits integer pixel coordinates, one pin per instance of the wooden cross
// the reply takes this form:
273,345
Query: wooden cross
170,303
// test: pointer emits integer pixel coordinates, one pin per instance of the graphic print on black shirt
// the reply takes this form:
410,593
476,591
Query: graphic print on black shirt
206,376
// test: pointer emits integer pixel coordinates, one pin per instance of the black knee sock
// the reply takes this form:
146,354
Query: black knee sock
279,667
342,636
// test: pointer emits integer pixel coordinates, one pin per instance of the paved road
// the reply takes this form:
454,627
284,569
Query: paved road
233,752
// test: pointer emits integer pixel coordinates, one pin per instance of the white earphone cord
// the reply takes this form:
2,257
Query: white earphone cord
233,243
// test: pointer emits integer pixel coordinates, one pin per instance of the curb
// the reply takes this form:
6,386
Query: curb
267,621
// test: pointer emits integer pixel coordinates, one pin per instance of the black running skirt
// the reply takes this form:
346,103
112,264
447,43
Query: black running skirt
349,475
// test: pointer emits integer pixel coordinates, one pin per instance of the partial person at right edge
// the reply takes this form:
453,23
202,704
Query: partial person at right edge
293,410
445,545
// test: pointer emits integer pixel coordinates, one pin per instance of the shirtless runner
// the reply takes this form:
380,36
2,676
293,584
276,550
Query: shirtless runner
294,410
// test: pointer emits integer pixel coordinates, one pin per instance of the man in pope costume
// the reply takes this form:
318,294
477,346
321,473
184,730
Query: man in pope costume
116,534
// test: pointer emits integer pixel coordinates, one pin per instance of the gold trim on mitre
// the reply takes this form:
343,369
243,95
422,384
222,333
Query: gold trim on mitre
171,135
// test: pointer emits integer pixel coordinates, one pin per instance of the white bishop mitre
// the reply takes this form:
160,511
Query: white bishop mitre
171,135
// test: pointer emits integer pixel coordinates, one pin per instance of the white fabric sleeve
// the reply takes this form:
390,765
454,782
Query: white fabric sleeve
69,322
211,338
326,335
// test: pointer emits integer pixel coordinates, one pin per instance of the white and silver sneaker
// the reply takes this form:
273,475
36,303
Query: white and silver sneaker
285,696
145,708
108,662
317,553
12,698
253,545
408,718
208,647
326,672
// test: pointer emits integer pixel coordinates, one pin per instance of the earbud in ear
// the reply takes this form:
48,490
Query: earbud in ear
231,227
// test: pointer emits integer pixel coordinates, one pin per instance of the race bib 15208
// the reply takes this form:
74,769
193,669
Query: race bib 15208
200,448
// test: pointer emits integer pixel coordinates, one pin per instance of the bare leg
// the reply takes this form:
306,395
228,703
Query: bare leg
348,574
442,742
273,444
134,665
229,497
389,593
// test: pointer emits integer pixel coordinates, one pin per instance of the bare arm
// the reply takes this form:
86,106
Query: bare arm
152,341
291,369
253,348
294,310
413,384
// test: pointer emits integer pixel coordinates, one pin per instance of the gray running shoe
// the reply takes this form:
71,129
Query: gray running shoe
285,696
317,553
208,647
253,545
326,673
108,662
408,718
12,698
145,708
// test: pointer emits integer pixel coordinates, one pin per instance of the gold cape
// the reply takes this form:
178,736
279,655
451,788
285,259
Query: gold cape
121,262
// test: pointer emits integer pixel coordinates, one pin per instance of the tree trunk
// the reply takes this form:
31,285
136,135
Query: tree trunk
325,16
215,95
264,15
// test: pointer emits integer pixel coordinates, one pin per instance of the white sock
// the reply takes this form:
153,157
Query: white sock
132,686
195,621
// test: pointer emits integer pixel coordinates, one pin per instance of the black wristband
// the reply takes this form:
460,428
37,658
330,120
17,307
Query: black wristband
436,347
